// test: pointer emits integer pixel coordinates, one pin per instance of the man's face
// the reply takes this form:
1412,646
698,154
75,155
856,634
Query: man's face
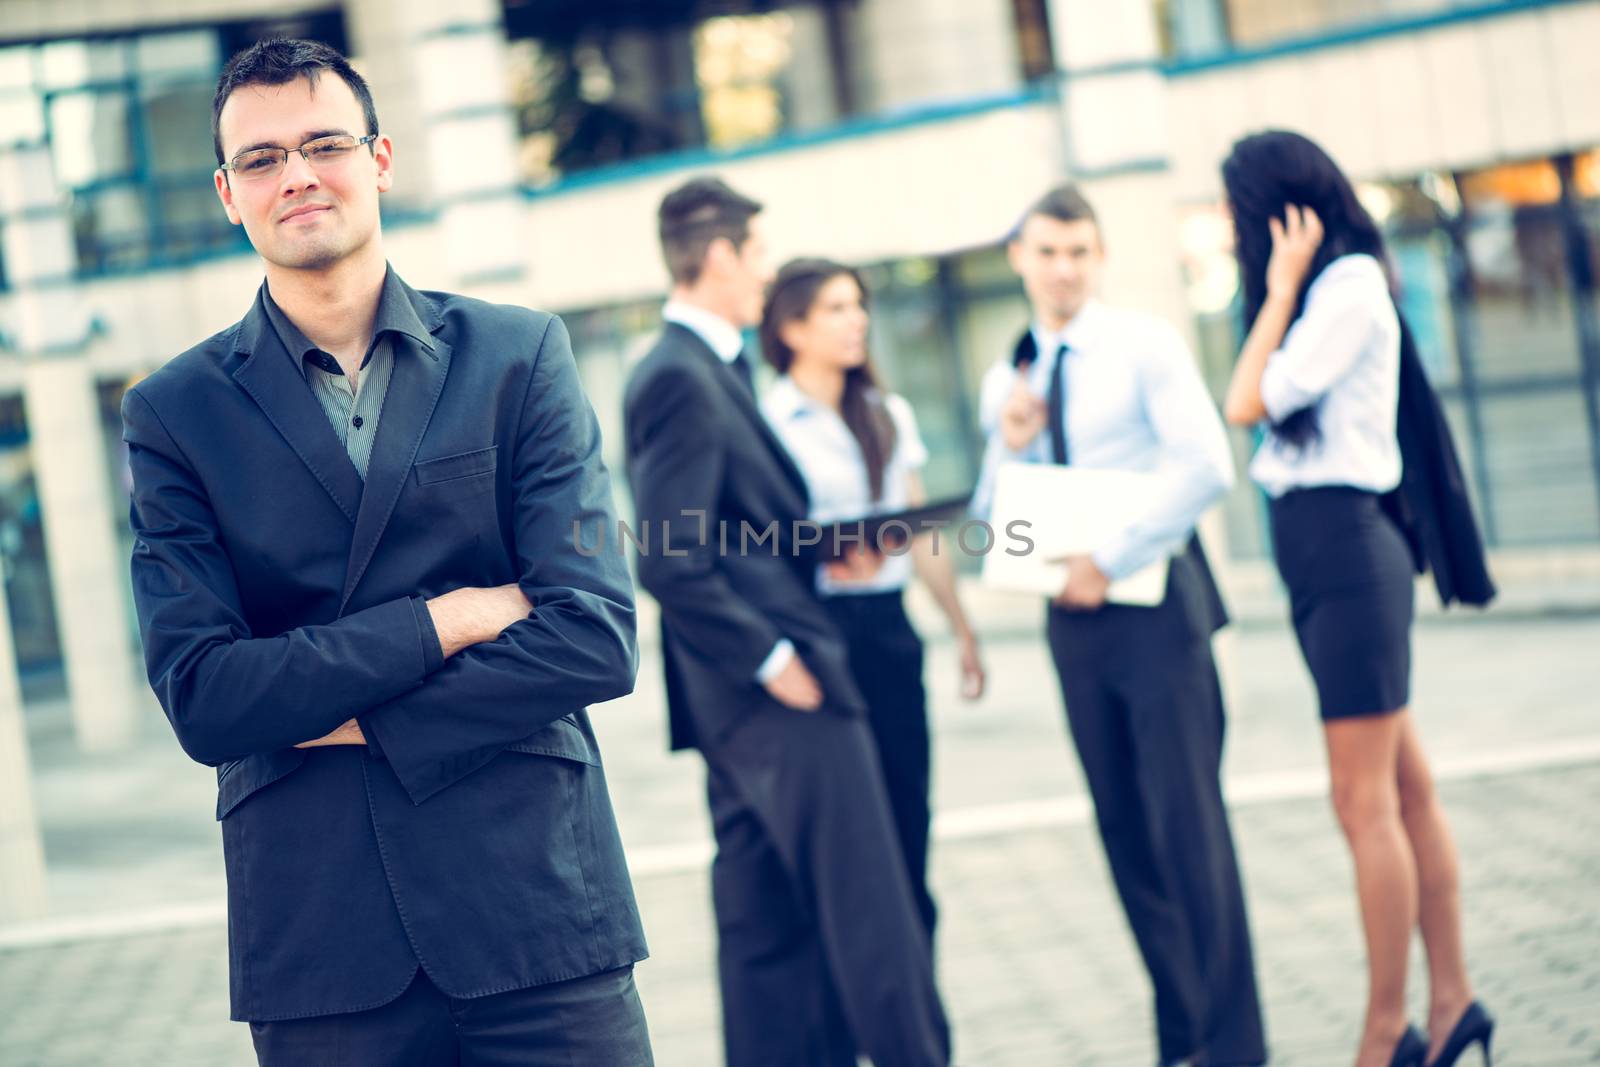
741,274
305,217
1059,263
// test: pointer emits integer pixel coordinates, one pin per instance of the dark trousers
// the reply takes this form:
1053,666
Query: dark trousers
820,951
886,661
592,1020
1146,715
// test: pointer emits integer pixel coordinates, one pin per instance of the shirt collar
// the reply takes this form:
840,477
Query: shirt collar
1079,334
395,314
786,400
720,335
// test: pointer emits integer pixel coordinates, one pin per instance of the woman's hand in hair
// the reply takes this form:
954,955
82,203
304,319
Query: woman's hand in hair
1294,245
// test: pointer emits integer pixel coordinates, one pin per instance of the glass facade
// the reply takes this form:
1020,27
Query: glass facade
601,86
1193,29
610,81
127,120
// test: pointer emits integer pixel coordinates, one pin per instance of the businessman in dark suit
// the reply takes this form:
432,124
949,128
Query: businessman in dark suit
358,602
820,948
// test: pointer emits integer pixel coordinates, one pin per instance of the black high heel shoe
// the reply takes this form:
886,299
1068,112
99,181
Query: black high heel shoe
1412,1049
1475,1028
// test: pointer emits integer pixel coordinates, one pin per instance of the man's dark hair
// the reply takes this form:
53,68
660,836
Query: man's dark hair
279,61
1064,203
695,214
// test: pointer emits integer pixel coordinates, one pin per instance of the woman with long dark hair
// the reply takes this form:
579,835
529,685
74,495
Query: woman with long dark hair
860,452
1321,367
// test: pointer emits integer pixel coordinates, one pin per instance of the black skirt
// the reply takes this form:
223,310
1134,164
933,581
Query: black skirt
1349,574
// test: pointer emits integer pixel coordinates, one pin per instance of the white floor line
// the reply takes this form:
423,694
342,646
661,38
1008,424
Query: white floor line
960,825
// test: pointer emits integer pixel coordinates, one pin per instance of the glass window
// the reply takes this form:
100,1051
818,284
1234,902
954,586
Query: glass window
21,118
16,67
72,64
1516,272
614,81
739,62
1206,27
90,139
1035,52
193,222
1541,471
111,227
177,121
22,553
186,55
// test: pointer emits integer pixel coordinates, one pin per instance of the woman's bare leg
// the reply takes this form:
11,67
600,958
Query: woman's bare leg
1438,889
1363,766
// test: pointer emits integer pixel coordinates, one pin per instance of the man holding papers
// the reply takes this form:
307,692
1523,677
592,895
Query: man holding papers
1091,388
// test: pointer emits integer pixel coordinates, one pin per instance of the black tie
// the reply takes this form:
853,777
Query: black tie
741,367
1056,401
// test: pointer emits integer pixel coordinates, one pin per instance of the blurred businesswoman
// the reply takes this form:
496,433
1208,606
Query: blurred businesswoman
1321,366
860,452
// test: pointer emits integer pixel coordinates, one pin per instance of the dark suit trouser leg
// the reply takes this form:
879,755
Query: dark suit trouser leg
809,886
1146,717
886,658
596,1019
413,1030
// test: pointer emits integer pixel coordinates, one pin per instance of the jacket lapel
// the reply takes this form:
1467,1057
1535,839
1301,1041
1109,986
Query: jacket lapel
269,377
414,388
746,402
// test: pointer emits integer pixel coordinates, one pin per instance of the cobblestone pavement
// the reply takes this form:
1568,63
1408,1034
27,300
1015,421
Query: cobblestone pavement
1037,966
1035,959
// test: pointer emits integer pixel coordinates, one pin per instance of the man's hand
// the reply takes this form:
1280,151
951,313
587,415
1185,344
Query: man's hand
348,734
1086,585
794,687
1025,413
473,615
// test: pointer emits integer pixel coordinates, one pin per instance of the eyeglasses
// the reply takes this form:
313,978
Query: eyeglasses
259,164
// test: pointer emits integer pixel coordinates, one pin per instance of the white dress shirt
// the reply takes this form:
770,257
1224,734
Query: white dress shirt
1133,400
829,456
720,335
727,341
1342,355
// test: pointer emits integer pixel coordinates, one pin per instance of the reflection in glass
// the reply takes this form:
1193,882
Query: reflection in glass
21,118
739,60
89,136
177,119
71,64
1517,273
111,227
184,55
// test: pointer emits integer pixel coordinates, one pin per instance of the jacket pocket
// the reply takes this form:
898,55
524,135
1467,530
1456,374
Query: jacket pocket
239,780
450,468
564,739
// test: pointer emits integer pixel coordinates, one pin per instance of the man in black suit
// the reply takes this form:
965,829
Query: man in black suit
360,603
820,947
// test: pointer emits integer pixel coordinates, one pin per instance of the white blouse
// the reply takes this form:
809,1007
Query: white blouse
829,456
1342,356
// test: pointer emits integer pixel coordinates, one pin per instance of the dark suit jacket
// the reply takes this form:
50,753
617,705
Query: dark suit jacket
278,597
700,454
1431,503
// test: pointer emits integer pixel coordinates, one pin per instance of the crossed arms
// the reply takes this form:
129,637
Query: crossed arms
440,706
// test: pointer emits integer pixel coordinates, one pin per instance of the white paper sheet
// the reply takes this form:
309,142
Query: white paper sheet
1068,511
